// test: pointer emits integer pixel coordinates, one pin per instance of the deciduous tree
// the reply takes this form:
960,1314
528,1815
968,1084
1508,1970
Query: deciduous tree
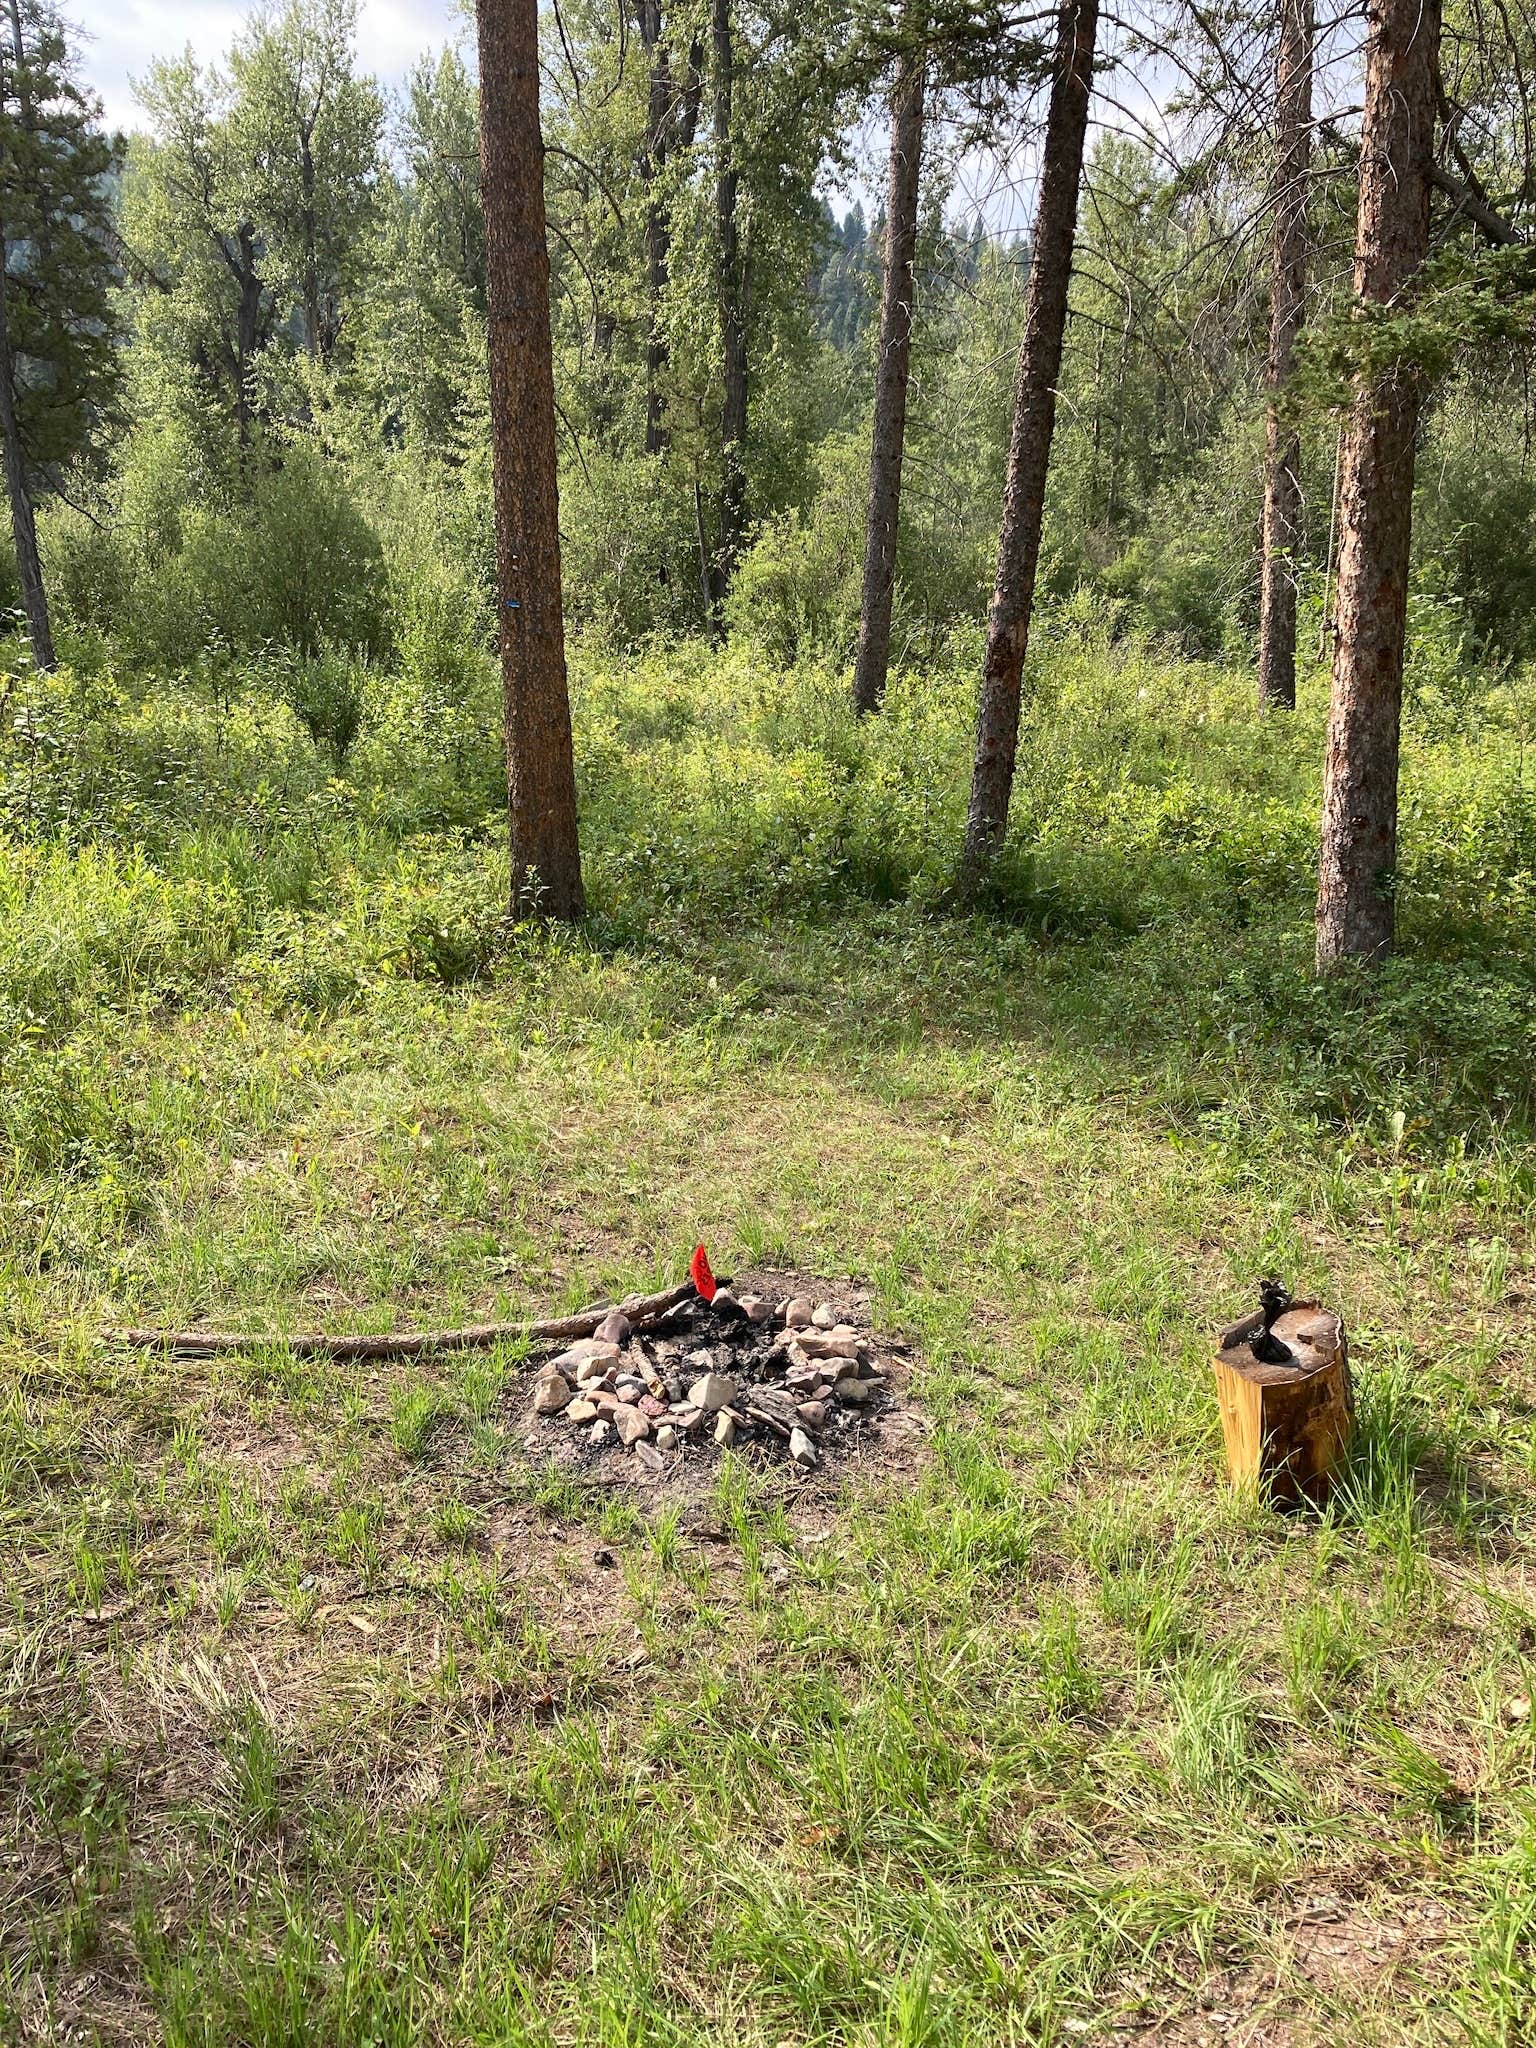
888,436
1287,305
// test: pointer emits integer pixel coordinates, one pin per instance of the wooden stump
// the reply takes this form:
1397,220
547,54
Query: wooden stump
1287,1426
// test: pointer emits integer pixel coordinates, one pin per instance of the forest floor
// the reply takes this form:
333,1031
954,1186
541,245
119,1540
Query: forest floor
328,1714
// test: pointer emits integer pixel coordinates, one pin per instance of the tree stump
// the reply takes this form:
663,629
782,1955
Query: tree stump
1287,1426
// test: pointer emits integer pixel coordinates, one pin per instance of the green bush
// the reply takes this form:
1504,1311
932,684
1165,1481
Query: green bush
283,559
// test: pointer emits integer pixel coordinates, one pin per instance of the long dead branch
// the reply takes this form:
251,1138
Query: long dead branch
639,1308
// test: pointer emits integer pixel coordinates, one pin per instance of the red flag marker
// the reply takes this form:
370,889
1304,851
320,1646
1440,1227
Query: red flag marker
699,1273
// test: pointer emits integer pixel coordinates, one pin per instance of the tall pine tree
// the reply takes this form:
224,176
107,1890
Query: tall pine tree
58,358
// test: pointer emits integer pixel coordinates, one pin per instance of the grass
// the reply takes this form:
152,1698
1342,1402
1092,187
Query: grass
321,1720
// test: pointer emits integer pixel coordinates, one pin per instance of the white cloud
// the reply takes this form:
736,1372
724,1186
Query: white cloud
121,38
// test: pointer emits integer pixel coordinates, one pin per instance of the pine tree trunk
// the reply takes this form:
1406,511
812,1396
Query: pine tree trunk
733,314
29,566
889,435
1029,453
1287,291
1355,908
541,778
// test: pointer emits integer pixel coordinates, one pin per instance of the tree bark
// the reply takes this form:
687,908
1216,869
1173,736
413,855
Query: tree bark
541,776
672,119
1029,453
1355,894
732,281
247,327
889,435
1287,293
658,229
29,566
639,1308
1287,1426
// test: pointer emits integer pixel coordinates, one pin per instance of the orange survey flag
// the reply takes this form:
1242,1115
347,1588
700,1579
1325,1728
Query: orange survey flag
699,1273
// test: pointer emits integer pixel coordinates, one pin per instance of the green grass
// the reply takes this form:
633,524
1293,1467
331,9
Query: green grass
320,1722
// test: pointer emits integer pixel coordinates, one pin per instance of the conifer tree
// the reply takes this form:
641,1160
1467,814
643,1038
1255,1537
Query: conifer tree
57,341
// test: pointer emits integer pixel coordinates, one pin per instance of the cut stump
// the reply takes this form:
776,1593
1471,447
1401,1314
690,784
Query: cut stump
1287,1427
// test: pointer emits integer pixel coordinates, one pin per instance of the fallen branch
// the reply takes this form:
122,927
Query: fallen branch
639,1308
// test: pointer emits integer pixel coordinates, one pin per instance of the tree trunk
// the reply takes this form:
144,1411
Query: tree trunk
1288,284
733,314
541,776
1029,453
1355,909
889,435
658,234
29,567
34,595
312,336
1287,1426
247,327
672,118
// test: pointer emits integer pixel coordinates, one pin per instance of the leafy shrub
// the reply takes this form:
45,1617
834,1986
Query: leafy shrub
280,557
327,693
796,591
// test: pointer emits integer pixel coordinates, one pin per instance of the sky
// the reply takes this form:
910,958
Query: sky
121,37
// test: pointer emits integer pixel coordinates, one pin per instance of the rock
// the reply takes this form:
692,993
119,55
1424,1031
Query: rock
605,1403
725,1429
856,1391
551,1395
649,1459
582,1410
802,1450
601,1431
755,1308
684,1416
795,1355
830,1344
649,1405
812,1413
629,1397
666,1437
614,1328
806,1375
797,1313
711,1391
571,1359
631,1426
727,1306
823,1315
